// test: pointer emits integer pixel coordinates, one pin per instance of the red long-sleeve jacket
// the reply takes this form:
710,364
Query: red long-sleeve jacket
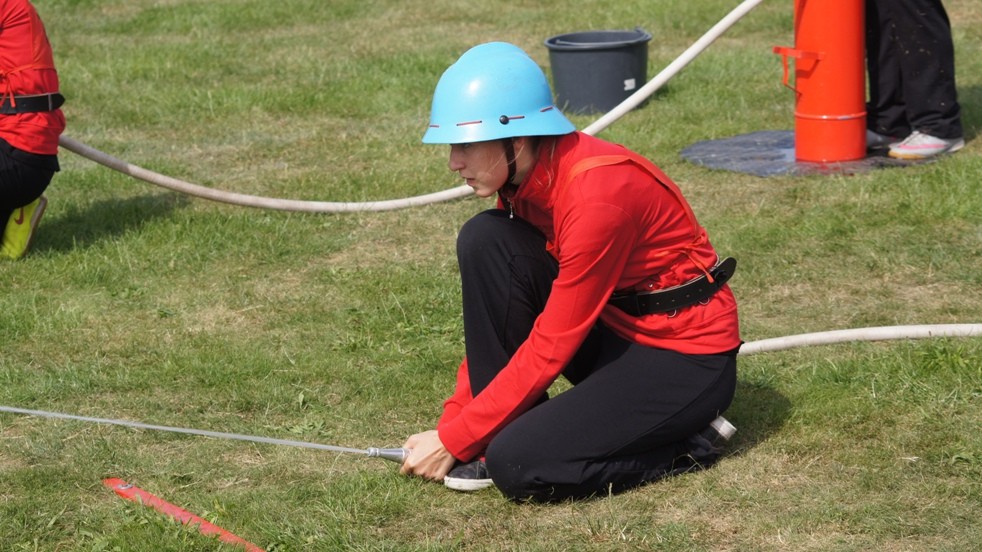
27,68
615,222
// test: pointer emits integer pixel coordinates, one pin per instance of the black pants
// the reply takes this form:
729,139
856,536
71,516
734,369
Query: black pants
911,63
23,178
633,410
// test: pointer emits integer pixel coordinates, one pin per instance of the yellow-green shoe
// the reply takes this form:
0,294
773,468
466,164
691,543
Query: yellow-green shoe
19,232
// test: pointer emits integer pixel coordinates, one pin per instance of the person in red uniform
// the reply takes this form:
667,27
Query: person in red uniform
30,123
592,267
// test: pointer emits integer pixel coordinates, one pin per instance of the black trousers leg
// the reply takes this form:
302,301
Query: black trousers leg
911,65
886,111
20,184
506,276
628,423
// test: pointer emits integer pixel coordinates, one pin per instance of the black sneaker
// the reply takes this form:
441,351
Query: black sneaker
877,141
704,448
472,476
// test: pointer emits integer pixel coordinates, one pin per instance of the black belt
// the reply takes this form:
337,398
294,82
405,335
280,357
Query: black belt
31,104
673,298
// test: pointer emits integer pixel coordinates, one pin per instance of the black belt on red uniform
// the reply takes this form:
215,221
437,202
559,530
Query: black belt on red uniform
31,104
666,300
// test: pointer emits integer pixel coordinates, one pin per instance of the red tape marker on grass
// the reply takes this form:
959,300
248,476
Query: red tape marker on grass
205,527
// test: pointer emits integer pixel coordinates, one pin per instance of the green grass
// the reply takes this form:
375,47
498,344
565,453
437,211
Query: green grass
144,304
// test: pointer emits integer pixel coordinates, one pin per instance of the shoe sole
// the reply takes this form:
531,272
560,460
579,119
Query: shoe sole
466,485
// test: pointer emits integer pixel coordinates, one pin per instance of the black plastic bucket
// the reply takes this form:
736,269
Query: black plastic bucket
594,71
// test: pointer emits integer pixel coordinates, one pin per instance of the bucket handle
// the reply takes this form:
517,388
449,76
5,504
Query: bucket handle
786,52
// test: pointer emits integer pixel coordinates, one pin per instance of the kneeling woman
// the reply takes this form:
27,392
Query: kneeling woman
592,267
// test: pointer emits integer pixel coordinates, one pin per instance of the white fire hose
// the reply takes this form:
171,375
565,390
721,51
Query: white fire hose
882,333
388,205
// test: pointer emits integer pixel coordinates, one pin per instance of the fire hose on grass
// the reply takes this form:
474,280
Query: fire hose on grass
399,455
394,454
393,204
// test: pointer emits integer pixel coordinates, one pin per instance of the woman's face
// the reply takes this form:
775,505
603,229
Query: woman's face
482,165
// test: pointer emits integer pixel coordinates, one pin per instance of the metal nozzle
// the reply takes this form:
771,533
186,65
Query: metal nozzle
723,427
397,455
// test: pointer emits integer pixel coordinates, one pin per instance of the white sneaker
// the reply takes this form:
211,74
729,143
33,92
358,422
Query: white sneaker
472,476
921,146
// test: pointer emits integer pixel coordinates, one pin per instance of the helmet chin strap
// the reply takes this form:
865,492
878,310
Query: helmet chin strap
510,158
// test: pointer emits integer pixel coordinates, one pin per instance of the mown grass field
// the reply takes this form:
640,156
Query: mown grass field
140,303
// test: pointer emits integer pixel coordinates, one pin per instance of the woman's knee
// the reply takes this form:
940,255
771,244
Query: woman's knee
479,230
510,470
492,233
522,472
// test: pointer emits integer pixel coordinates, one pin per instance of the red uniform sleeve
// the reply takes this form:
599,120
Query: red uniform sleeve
460,398
594,241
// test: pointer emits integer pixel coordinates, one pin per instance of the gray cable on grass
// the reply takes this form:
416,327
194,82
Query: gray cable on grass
399,454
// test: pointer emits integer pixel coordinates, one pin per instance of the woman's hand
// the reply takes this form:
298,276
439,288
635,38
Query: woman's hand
428,457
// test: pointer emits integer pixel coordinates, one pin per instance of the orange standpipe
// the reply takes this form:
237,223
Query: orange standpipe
829,80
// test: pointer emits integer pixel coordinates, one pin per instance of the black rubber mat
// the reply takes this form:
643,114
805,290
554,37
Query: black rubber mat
771,153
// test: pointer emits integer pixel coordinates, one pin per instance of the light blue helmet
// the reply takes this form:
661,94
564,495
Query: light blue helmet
494,91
